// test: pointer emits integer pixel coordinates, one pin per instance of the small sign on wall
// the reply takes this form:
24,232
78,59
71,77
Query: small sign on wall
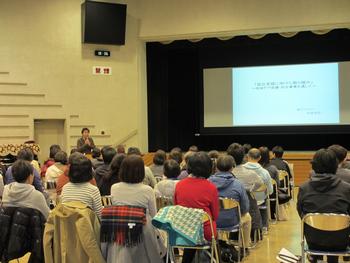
100,70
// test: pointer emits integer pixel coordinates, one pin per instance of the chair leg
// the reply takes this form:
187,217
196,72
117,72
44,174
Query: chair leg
217,258
243,244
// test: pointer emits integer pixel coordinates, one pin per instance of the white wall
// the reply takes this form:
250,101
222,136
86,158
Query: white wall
182,19
40,46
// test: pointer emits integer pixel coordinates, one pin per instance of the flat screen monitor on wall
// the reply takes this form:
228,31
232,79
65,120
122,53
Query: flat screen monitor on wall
103,23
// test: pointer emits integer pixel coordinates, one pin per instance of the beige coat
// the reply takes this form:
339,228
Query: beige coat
72,235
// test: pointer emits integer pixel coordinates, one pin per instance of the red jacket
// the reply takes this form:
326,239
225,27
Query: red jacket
199,193
46,165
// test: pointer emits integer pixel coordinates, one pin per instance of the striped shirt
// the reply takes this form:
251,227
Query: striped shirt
83,192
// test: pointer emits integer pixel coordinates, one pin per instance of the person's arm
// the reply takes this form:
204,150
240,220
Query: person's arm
8,176
244,204
1,186
257,181
92,144
300,203
268,183
42,205
152,207
175,194
96,202
37,181
150,176
214,206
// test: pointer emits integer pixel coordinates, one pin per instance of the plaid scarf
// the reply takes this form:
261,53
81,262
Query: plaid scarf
123,225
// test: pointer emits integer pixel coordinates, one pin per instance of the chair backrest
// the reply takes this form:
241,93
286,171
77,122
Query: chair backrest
284,177
274,195
326,229
327,222
260,194
106,200
228,204
163,201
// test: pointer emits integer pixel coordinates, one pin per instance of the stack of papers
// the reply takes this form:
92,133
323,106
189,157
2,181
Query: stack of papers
285,256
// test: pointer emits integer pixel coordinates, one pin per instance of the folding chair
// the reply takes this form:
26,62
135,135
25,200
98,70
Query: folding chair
292,182
228,204
326,225
214,255
284,181
274,198
106,200
263,200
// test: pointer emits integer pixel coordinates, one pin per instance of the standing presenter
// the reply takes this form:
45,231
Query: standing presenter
85,144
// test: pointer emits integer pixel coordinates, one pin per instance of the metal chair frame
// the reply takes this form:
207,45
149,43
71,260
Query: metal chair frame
325,222
275,188
227,204
106,200
284,176
212,245
263,190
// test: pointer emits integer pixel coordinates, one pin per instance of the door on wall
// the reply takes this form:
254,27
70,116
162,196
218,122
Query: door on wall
48,132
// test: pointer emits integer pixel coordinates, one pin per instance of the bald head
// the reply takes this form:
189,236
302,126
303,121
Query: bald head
254,155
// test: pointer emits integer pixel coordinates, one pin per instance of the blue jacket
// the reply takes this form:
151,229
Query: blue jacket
229,186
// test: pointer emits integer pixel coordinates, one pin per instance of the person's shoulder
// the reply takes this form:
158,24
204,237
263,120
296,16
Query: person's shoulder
146,188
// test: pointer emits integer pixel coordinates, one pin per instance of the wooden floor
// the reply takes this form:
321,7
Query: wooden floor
283,234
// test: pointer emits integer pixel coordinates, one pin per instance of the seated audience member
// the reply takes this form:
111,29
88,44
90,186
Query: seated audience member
176,155
183,165
278,161
58,168
104,170
341,154
74,150
253,164
250,180
50,161
36,164
149,177
193,148
176,149
213,155
196,191
158,164
112,177
246,148
64,179
96,158
79,188
323,193
1,185
25,154
132,192
121,148
21,192
228,186
266,164
166,187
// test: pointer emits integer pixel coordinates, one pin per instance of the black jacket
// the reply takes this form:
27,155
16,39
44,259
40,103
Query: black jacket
21,231
324,193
